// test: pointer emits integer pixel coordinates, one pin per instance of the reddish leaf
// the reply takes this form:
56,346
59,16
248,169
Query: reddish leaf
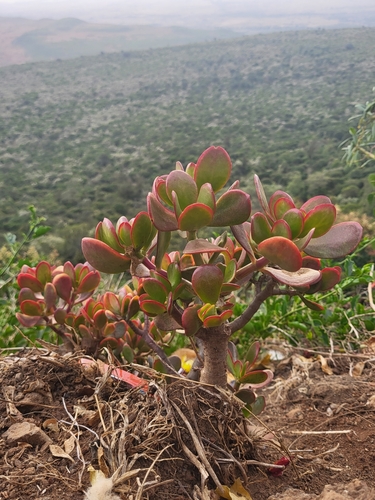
321,218
195,217
262,197
106,232
281,228
330,277
282,205
26,280
31,308
50,296
63,285
302,277
89,283
29,321
232,208
314,202
282,252
217,319
207,281
340,240
43,272
190,320
206,196
163,219
201,246
104,258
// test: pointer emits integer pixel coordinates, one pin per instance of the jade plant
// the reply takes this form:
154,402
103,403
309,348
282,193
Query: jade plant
191,290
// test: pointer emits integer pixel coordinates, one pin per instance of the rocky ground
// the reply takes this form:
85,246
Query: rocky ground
62,427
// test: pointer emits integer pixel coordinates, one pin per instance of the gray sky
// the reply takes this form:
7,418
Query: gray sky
200,13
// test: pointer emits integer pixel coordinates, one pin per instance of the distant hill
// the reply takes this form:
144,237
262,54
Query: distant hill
24,40
83,139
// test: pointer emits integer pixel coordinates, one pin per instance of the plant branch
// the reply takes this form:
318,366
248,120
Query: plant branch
153,345
253,307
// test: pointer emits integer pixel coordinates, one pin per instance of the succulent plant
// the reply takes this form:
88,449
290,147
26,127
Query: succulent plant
192,290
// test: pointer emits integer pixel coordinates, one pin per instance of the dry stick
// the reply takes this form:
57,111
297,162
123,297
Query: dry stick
140,490
347,431
199,448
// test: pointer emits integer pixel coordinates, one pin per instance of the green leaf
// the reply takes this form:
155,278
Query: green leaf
206,196
31,308
43,272
184,186
281,228
106,233
142,231
314,202
50,296
207,281
26,280
262,197
162,244
214,167
256,377
104,258
258,406
321,218
155,289
232,208
260,227
152,307
294,218
40,231
282,252
252,353
89,283
281,205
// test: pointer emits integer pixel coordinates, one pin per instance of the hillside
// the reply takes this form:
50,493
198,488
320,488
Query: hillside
26,40
83,139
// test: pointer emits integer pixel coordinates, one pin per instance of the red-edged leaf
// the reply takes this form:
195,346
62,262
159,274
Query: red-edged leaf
31,308
70,271
159,189
246,395
43,272
89,283
260,227
26,280
111,302
29,321
206,196
152,307
162,244
232,208
282,205
259,378
195,217
302,277
287,204
124,233
100,319
294,218
228,288
213,166
217,319
281,228
314,306
155,289
321,218
190,320
258,406
239,232
163,219
303,242
340,240
26,294
311,262
104,258
330,277
207,281
142,231
252,353
314,202
60,315
106,232
184,186
282,252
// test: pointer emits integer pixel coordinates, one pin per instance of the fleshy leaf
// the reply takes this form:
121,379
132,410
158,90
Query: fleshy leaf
104,258
31,308
124,233
106,232
163,219
201,245
314,202
217,319
50,296
152,307
252,353
330,277
282,205
142,231
262,197
213,166
340,240
294,218
314,306
232,208
43,272
302,277
190,320
260,227
195,217
321,218
207,281
184,186
63,285
239,232
260,378
281,228
282,252
258,406
89,283
162,244
26,280
28,321
206,196
155,289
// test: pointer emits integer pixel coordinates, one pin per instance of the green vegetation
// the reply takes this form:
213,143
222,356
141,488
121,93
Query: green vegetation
84,138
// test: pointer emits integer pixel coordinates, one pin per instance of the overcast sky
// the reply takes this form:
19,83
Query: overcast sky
197,13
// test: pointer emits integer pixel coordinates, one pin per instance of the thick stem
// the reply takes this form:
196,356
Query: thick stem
215,348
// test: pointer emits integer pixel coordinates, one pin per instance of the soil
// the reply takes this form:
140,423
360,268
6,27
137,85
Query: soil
64,427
